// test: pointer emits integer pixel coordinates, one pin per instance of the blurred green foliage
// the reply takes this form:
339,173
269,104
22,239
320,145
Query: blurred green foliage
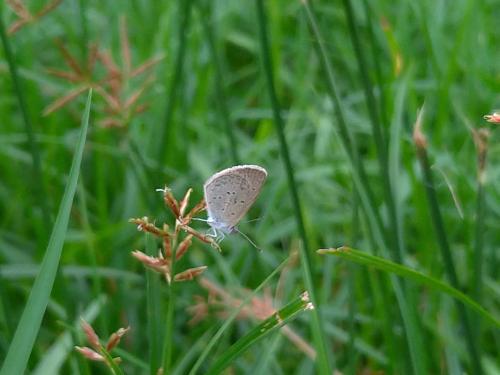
205,106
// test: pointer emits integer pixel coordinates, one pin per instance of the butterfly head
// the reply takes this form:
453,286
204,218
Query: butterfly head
219,226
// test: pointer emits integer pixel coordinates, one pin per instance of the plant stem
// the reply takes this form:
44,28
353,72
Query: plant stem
37,183
378,135
376,52
478,243
92,248
84,28
207,21
481,140
169,325
166,135
153,310
442,239
367,198
306,264
113,368
360,178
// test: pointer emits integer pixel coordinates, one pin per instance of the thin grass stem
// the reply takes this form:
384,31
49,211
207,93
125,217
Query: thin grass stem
169,324
378,134
444,247
481,138
216,338
153,308
367,198
323,360
351,303
97,288
37,184
206,15
84,36
376,52
166,134
360,178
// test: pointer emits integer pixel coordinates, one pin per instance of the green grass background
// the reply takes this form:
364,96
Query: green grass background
210,110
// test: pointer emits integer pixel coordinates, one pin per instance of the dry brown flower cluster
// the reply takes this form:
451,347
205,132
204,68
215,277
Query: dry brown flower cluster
97,352
25,16
110,80
173,247
99,71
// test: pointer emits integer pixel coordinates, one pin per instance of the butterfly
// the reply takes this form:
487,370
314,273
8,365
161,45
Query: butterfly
229,194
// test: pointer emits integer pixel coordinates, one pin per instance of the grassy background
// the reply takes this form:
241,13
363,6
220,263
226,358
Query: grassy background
209,108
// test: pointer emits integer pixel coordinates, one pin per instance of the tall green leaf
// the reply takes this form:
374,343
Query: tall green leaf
31,319
361,257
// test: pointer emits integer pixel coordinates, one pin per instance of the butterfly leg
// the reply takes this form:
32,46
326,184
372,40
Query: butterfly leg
220,236
212,233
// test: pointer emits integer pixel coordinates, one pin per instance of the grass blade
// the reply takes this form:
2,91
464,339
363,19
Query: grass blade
31,319
323,360
378,134
442,239
359,175
207,19
481,140
28,126
367,197
233,316
166,134
278,319
382,264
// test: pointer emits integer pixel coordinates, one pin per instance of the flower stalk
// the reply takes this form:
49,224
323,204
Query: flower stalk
175,240
442,239
101,353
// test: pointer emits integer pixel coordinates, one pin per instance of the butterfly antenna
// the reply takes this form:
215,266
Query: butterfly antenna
248,239
256,219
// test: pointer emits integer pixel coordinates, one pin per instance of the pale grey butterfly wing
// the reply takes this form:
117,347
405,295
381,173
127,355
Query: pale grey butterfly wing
230,193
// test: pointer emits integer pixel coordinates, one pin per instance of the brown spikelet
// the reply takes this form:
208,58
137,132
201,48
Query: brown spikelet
190,273
92,337
69,59
171,202
134,97
24,14
418,136
18,8
143,224
125,47
48,8
61,102
185,201
68,76
146,66
115,338
195,210
17,25
184,246
90,354
493,118
110,122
